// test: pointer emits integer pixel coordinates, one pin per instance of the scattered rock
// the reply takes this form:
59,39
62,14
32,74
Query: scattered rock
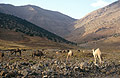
54,68
108,72
45,76
2,73
24,72
36,67
103,70
34,73
76,68
24,63
83,65
112,70
11,74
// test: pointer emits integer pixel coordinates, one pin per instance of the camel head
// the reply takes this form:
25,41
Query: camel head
93,50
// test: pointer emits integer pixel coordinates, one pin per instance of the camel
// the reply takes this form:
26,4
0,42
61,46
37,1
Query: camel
97,53
70,53
15,51
1,56
38,53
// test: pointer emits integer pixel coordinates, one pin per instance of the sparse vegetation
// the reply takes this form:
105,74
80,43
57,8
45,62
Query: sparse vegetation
53,64
52,50
13,23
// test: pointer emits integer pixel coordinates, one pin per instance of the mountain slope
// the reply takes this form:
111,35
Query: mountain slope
16,26
11,39
103,23
55,22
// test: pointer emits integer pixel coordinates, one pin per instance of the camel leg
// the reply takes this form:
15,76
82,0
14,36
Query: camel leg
95,57
40,57
32,55
99,58
67,57
12,52
15,53
20,53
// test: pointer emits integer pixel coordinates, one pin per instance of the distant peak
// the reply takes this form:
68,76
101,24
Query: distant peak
30,5
33,6
6,4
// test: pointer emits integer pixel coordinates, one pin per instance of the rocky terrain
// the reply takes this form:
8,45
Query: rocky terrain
55,65
98,29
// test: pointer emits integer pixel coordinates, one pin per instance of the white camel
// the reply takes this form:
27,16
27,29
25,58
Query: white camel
97,53
70,53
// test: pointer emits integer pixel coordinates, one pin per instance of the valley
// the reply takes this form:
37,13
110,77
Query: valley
35,43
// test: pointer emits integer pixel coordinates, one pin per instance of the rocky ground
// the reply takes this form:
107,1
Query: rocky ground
54,65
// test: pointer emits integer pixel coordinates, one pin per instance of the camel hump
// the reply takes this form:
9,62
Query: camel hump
98,50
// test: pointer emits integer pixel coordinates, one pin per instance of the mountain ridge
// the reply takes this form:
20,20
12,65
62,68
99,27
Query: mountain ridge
19,25
103,23
47,19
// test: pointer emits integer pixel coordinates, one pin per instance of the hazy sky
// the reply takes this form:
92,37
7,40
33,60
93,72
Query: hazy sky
74,8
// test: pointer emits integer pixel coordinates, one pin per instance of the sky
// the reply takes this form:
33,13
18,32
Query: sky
73,8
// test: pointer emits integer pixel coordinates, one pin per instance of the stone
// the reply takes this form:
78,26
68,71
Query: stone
83,65
103,70
86,69
23,67
76,68
13,67
7,64
34,73
50,71
2,73
65,73
24,63
35,67
45,76
56,62
17,67
24,72
11,74
107,73
19,72
112,70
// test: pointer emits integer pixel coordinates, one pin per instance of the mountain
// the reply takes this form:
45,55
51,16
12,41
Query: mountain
18,30
102,25
52,21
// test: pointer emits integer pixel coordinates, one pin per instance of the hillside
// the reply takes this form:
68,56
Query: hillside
52,21
11,39
16,29
103,23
